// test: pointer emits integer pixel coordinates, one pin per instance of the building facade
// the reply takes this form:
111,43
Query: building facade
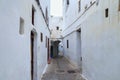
56,27
24,32
91,37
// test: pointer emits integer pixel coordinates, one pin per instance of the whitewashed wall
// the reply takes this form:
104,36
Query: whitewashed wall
56,22
41,27
15,49
45,4
100,40
73,53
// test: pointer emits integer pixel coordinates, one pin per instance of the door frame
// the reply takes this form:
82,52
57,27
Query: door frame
48,51
33,58
80,56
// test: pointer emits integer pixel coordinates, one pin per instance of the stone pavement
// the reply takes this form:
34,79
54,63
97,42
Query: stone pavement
61,69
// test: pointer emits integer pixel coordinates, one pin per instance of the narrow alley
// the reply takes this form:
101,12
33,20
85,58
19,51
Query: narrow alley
59,39
61,69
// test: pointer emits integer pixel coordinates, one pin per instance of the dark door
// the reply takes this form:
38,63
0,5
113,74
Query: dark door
51,53
48,55
32,55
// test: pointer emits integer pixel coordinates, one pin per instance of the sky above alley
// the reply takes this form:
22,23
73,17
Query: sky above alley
56,7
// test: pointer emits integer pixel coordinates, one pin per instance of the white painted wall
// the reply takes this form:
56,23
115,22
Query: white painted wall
41,27
72,8
100,40
101,51
15,49
73,53
56,22
45,4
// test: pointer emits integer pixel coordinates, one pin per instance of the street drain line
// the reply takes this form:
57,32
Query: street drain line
71,71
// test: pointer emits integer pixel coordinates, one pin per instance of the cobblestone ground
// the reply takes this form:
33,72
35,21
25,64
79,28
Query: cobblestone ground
61,69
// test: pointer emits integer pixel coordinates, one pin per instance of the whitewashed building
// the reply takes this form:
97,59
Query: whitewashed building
92,37
24,39
56,27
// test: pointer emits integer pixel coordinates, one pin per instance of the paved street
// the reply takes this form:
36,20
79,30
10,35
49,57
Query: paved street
61,69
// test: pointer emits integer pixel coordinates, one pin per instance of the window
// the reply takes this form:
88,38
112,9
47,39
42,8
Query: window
41,37
91,3
79,5
86,6
21,29
46,42
38,2
97,2
68,2
33,15
46,13
57,28
67,43
106,12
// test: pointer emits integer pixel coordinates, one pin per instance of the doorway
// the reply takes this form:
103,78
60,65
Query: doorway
79,49
54,48
33,56
48,53
51,53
